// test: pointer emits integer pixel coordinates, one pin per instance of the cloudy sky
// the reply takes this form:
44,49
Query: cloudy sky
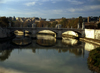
49,8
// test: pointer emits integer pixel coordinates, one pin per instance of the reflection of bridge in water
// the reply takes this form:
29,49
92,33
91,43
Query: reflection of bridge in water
7,47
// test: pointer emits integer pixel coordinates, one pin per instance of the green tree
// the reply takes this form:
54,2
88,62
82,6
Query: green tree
4,22
98,25
17,24
54,24
94,60
64,22
25,24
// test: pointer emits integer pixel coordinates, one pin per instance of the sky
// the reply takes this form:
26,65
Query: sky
49,8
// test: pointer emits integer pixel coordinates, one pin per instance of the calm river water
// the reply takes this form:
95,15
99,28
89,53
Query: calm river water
44,55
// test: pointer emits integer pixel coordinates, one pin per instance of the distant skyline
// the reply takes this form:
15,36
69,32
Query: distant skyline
49,8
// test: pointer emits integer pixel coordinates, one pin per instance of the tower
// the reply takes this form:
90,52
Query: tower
88,19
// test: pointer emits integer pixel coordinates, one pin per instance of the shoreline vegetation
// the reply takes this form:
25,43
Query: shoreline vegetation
93,60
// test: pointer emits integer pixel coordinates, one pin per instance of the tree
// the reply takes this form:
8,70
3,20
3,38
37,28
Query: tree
64,22
25,24
98,25
93,60
54,24
4,22
17,24
43,24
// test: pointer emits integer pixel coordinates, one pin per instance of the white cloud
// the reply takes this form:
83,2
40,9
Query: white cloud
30,3
84,8
6,1
75,9
75,2
1,1
4,70
94,7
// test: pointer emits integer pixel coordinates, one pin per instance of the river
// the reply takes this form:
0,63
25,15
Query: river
46,54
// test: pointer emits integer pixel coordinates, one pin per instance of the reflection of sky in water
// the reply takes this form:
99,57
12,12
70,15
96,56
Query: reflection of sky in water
44,61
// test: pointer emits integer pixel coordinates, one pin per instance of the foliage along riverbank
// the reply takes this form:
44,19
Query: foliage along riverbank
94,60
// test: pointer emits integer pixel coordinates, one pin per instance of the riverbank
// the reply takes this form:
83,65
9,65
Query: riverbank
93,41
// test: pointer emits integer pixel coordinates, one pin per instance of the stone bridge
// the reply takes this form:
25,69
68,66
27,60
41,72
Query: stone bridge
58,31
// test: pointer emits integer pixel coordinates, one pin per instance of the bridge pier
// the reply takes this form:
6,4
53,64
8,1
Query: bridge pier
24,33
33,35
59,35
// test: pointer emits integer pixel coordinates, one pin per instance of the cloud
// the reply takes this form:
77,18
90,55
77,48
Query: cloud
1,1
76,2
94,7
4,70
84,8
30,3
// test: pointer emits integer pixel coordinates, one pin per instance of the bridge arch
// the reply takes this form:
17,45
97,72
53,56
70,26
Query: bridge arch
47,32
72,33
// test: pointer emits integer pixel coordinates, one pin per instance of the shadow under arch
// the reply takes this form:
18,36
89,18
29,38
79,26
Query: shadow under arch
49,32
21,32
72,33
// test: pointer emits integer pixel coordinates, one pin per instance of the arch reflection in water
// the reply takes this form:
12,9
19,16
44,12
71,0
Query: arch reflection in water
89,46
69,41
46,40
22,41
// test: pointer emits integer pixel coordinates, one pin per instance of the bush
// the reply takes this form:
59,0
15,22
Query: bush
94,60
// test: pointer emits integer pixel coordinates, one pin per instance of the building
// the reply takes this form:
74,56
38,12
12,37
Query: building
52,19
58,20
58,26
88,19
99,18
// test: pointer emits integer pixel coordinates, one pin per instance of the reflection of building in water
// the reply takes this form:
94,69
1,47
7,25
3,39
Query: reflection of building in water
89,46
69,41
33,50
62,50
77,52
22,41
